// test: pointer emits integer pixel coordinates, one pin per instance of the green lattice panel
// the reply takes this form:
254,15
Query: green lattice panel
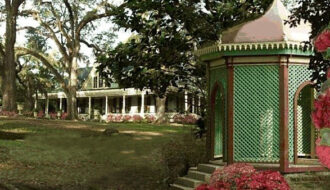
256,114
297,75
220,75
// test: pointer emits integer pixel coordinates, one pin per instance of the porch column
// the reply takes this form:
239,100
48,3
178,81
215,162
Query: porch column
153,105
90,107
106,105
47,106
142,104
193,105
61,104
124,104
186,101
199,105
36,103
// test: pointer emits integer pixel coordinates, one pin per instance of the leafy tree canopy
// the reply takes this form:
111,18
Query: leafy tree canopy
167,32
317,13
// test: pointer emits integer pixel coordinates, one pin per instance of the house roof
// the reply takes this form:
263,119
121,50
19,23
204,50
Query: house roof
270,27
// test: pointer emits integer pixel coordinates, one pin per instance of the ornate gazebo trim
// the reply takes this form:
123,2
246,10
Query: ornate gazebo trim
243,49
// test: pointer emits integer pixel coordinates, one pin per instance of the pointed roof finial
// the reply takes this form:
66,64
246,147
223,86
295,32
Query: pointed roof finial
270,27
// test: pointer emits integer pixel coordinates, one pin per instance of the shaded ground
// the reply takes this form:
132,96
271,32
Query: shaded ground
44,154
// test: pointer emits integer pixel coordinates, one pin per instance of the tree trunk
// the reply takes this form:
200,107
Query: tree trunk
160,104
72,91
9,64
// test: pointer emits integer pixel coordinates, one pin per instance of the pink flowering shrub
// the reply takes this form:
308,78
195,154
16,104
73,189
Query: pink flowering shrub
243,176
263,180
323,153
127,118
137,118
321,114
322,42
229,174
52,115
185,119
115,118
40,114
28,113
64,116
150,118
8,113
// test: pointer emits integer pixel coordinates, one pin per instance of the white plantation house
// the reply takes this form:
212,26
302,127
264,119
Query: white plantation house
95,97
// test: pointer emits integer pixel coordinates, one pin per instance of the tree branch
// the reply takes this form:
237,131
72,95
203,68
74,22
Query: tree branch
91,16
62,49
47,61
94,46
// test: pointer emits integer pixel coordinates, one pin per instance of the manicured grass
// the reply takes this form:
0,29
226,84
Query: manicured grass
44,154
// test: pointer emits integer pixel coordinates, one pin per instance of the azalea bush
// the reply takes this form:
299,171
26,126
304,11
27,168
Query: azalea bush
52,115
321,113
40,114
185,118
137,118
115,118
150,118
244,176
64,116
178,155
8,113
127,118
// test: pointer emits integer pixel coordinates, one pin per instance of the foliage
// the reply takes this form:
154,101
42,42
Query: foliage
269,180
243,176
229,174
8,113
321,113
127,118
41,114
317,13
149,118
179,155
115,118
160,55
185,118
323,152
137,118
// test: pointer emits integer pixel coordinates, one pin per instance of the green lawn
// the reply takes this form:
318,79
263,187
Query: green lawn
44,154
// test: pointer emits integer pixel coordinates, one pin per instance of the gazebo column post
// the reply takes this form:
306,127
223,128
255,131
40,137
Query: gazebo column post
284,114
230,111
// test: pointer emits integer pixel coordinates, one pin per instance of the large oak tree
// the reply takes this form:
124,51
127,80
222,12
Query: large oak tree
10,12
68,24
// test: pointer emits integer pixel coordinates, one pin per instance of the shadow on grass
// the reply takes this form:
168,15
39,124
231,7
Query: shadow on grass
12,136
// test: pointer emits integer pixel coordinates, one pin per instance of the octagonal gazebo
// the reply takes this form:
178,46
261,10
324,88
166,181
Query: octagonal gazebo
261,95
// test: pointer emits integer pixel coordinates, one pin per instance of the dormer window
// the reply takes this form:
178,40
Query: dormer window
95,82
100,82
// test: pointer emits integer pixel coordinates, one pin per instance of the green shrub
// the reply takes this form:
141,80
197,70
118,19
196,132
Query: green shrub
178,155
